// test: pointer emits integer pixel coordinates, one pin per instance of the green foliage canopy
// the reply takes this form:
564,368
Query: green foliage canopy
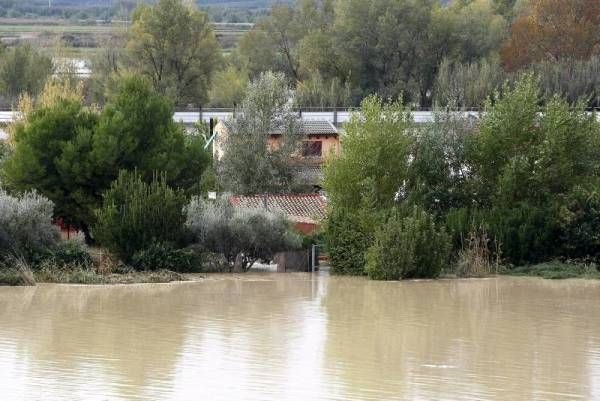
173,44
71,154
135,215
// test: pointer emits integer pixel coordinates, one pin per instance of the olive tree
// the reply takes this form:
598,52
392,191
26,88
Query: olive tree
250,164
242,236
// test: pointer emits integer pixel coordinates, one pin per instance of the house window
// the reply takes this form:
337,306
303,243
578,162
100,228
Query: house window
312,149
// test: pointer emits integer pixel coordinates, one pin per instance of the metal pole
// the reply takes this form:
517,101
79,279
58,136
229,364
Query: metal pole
312,259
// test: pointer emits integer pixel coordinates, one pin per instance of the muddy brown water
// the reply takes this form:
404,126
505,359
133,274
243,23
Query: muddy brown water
302,337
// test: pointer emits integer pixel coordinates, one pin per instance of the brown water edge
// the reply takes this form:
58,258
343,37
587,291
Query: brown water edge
300,337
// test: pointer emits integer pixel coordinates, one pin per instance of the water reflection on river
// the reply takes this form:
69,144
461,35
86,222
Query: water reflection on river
302,337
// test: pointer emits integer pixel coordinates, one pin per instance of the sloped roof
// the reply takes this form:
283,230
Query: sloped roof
307,127
299,208
312,127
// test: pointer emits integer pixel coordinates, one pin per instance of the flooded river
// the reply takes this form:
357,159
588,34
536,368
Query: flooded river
302,337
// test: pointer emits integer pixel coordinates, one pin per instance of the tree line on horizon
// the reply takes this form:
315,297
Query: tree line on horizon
335,53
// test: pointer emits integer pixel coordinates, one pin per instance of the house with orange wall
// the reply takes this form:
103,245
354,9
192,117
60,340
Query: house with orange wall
320,138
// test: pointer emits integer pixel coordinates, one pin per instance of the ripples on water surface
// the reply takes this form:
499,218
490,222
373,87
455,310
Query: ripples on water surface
299,337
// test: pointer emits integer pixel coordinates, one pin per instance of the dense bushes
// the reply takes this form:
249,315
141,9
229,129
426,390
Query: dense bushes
163,255
526,175
243,236
348,236
408,247
136,216
30,242
579,223
71,154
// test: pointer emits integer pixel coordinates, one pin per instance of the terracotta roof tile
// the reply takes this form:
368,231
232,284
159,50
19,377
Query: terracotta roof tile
300,208
307,127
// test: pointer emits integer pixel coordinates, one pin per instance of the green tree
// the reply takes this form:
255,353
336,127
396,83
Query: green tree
408,247
136,215
349,234
174,45
467,85
71,155
316,92
249,163
23,69
527,163
228,87
439,175
373,165
107,65
276,41
51,155
242,236
574,80
136,131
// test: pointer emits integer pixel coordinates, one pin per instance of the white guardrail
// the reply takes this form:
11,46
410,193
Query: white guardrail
191,117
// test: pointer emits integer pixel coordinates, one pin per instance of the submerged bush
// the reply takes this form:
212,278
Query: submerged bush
62,254
579,224
15,271
242,236
348,238
136,215
26,223
163,255
408,247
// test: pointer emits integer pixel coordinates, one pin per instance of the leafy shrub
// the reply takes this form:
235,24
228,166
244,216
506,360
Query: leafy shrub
136,215
4,150
408,247
164,256
62,254
71,253
579,221
26,223
348,239
526,233
242,236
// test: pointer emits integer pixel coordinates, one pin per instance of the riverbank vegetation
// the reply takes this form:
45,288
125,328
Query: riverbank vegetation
130,182
516,186
519,186
557,269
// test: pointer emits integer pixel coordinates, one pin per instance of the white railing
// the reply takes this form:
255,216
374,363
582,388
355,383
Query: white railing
191,117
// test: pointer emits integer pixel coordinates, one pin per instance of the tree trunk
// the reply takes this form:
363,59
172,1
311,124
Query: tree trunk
86,233
238,266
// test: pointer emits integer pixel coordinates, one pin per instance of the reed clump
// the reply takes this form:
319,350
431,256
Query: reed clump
480,256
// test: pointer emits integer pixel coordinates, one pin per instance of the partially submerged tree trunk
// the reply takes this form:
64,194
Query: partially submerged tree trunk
238,265
242,263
